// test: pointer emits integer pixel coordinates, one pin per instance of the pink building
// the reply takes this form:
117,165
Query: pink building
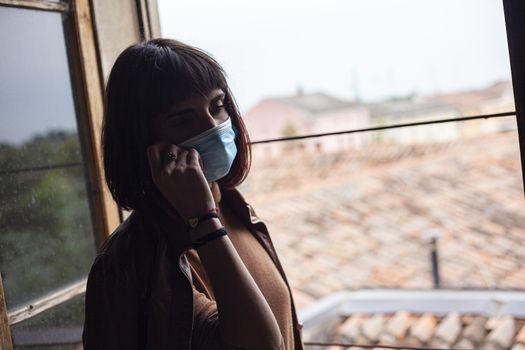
306,114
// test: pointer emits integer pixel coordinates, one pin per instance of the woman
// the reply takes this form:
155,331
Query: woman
192,267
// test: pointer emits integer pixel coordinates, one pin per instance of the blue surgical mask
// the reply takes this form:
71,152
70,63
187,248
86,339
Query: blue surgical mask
217,149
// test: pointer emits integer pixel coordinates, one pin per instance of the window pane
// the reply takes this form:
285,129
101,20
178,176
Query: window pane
365,217
46,236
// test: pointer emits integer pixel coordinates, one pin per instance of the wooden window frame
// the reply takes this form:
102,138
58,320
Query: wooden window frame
84,52
6,343
44,5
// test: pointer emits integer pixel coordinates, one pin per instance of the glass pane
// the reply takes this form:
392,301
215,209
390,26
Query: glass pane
56,328
360,210
46,236
365,217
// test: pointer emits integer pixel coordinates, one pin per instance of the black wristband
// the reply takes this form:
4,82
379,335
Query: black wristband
209,237
194,222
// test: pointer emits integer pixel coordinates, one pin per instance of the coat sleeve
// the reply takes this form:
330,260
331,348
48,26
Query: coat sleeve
206,334
111,309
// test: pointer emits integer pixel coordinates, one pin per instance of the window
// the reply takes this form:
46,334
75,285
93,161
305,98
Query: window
55,209
46,215
371,207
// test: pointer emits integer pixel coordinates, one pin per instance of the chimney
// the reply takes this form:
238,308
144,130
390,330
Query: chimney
433,237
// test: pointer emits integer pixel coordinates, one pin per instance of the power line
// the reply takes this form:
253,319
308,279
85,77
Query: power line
438,121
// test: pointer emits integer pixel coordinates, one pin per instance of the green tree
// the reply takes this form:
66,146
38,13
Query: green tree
46,237
290,130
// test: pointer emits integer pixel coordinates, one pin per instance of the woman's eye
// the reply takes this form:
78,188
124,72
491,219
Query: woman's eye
218,108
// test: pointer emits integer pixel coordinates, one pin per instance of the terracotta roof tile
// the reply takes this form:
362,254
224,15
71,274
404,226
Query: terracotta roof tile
503,333
373,327
398,325
521,335
351,328
475,331
450,331
464,344
423,329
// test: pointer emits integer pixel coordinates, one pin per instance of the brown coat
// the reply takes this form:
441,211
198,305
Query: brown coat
139,293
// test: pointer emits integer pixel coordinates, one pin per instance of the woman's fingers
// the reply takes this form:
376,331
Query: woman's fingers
176,174
182,158
193,157
164,157
169,162
171,158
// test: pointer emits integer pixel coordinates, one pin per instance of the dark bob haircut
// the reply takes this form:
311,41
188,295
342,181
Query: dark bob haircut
145,81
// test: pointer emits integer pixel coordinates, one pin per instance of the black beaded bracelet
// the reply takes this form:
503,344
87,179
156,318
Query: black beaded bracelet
209,237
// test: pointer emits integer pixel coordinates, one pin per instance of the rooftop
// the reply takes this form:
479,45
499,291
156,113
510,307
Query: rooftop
364,218
450,331
412,110
465,101
314,103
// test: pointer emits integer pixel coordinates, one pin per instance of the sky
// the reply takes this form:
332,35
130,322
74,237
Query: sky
353,49
36,95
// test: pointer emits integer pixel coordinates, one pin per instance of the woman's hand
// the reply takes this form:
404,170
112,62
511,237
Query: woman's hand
180,179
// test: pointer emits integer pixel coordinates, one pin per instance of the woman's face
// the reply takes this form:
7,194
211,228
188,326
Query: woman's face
190,117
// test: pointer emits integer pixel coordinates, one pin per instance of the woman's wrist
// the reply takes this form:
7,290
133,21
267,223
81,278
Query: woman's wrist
195,221
204,228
